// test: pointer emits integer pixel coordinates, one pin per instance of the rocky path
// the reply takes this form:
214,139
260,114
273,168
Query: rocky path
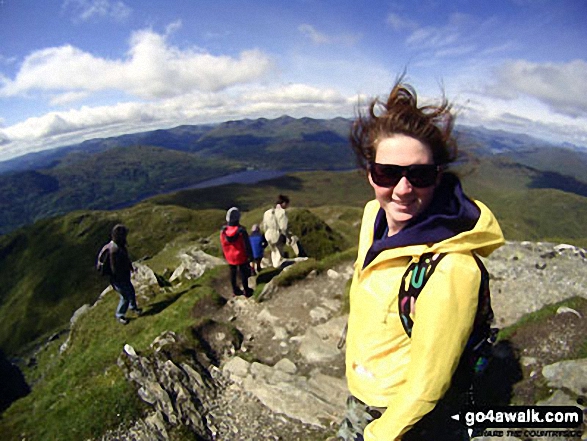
289,359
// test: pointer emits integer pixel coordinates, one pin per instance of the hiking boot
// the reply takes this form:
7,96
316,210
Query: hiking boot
238,292
249,292
123,320
137,311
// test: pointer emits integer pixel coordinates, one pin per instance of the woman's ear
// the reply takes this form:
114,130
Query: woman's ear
370,179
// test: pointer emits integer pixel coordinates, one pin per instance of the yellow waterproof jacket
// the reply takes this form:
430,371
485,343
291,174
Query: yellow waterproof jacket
386,368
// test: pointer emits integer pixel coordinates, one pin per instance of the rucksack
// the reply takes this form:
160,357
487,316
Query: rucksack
270,226
232,239
103,261
479,348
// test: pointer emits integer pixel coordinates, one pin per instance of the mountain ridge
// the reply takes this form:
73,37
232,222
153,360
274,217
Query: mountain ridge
284,144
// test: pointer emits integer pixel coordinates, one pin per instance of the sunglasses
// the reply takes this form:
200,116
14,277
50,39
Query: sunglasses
419,175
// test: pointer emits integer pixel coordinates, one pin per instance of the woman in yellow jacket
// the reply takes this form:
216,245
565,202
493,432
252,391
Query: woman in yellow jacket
397,383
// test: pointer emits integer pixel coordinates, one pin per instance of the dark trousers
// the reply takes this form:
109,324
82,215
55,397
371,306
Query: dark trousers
245,271
126,291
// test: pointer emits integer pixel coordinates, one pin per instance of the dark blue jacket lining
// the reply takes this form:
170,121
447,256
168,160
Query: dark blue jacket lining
450,213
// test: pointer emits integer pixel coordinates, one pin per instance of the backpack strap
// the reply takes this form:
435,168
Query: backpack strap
483,336
412,284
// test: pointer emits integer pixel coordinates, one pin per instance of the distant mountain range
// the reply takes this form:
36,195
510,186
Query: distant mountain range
116,172
248,137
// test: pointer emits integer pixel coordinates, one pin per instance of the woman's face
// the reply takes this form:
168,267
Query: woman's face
403,201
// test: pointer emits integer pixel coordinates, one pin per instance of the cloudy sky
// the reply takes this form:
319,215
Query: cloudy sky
71,70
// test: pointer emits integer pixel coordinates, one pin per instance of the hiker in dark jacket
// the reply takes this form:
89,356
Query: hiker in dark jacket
237,251
121,268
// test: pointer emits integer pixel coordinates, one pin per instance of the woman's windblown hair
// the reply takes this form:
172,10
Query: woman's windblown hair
431,125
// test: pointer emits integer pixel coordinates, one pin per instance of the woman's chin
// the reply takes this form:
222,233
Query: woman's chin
397,219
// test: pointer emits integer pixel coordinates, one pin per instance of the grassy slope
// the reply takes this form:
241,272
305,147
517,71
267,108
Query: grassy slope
46,270
102,181
305,189
553,159
525,213
71,390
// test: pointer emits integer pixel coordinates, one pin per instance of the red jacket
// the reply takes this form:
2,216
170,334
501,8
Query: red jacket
235,245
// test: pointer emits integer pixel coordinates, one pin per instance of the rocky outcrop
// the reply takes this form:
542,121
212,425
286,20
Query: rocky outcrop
194,262
525,276
180,391
568,374
183,392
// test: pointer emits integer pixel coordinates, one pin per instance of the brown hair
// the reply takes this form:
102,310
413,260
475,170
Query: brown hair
431,125
282,199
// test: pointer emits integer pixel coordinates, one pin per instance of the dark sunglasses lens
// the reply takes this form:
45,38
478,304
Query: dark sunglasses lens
386,175
422,175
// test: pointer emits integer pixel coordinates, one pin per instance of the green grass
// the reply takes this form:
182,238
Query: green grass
301,270
526,213
85,381
305,189
70,389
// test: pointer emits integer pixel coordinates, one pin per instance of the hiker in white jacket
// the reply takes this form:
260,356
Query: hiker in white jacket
275,227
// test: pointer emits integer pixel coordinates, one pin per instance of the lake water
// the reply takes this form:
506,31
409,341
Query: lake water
244,177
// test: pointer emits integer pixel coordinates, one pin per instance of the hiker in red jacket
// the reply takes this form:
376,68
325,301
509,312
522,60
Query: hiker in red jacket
237,251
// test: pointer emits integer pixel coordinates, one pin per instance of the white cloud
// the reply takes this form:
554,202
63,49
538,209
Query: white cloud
399,23
73,126
310,32
84,10
524,115
68,98
7,61
152,69
173,27
461,35
433,37
321,38
455,51
562,86
297,93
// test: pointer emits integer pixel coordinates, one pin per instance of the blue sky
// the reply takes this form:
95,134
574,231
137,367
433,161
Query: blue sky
71,70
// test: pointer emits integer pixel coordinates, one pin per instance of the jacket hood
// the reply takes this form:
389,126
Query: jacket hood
233,216
119,234
452,223
231,232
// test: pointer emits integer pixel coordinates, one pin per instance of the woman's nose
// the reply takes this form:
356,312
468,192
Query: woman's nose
403,186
